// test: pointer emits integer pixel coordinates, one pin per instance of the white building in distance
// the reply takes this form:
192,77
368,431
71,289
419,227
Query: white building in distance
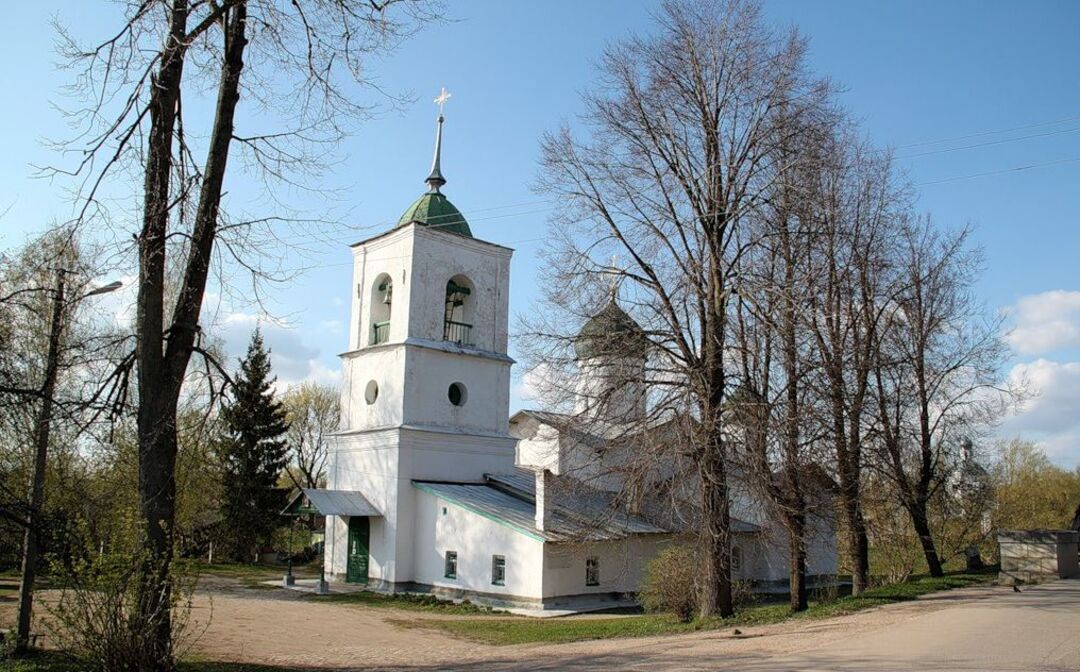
430,489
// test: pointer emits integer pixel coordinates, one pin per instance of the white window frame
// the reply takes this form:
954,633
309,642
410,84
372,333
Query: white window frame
498,570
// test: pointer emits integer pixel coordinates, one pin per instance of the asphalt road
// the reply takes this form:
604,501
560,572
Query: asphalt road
1037,629
984,628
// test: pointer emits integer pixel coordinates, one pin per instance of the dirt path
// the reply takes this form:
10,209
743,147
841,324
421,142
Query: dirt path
279,628
292,631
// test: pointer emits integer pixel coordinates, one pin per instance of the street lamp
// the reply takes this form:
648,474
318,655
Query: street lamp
41,443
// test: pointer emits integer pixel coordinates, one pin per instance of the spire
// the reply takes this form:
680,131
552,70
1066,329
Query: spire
436,180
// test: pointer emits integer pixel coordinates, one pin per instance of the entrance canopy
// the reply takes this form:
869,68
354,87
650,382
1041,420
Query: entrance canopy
330,503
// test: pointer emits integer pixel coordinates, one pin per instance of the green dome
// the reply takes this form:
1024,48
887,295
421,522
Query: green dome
611,333
435,210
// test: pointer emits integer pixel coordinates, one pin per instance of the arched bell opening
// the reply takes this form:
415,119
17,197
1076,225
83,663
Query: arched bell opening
460,304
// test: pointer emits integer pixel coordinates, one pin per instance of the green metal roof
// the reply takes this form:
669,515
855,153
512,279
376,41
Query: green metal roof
611,332
435,210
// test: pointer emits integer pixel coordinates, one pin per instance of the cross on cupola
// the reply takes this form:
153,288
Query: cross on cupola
436,179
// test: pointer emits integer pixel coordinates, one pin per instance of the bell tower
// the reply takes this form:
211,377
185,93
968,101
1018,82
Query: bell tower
426,379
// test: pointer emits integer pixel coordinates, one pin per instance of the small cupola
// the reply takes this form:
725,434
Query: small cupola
434,209
611,333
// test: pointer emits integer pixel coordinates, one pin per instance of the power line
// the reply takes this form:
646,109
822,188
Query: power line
992,142
998,172
980,134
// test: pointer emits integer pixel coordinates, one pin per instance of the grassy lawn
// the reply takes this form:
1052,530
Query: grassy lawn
239,571
503,631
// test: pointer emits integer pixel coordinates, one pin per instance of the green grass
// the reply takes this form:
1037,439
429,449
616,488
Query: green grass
234,570
402,601
505,631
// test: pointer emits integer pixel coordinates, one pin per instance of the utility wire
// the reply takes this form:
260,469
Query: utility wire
923,143
992,142
999,172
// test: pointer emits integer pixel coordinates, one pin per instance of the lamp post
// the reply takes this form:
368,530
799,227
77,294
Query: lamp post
290,580
41,445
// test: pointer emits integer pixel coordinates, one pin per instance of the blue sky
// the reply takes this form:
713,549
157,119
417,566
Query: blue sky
914,73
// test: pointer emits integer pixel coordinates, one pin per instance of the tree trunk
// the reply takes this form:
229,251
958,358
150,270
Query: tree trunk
162,361
715,536
921,522
796,525
32,533
858,547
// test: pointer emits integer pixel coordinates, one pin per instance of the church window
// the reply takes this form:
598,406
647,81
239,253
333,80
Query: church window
498,570
458,321
450,565
371,392
382,298
592,571
457,394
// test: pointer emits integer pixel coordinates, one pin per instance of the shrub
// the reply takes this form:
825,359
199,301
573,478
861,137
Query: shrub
95,620
670,582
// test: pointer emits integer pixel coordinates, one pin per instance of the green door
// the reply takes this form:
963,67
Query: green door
356,570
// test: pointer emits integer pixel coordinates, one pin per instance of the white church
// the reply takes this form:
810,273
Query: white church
431,488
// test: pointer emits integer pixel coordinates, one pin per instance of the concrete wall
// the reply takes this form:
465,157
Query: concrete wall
1034,555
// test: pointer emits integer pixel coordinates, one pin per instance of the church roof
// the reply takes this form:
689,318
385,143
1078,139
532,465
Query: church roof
435,210
508,499
610,332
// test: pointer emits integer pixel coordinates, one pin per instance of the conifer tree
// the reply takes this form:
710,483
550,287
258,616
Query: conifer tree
254,453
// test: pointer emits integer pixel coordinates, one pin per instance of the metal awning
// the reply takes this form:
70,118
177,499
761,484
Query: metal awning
331,503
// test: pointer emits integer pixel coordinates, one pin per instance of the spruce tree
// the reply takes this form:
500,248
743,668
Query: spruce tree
254,453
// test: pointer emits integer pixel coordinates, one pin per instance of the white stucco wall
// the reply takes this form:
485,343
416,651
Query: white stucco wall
428,375
538,444
381,465
476,539
622,565
765,554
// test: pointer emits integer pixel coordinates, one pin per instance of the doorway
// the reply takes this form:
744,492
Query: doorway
357,565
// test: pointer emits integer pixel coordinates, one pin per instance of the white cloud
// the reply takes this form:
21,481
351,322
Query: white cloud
293,360
543,382
1046,322
1051,416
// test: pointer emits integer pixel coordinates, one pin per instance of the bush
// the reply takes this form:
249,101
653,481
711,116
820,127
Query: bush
95,620
670,582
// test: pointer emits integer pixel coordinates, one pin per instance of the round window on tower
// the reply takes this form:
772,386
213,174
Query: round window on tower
457,394
371,392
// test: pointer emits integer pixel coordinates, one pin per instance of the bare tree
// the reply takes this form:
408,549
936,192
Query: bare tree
312,412
857,203
297,60
683,149
937,375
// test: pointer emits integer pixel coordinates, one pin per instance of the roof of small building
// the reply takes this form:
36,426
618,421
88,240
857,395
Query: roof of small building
331,503
509,499
581,513
435,210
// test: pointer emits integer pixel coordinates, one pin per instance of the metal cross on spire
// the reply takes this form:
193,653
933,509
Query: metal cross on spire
616,277
435,179
444,96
